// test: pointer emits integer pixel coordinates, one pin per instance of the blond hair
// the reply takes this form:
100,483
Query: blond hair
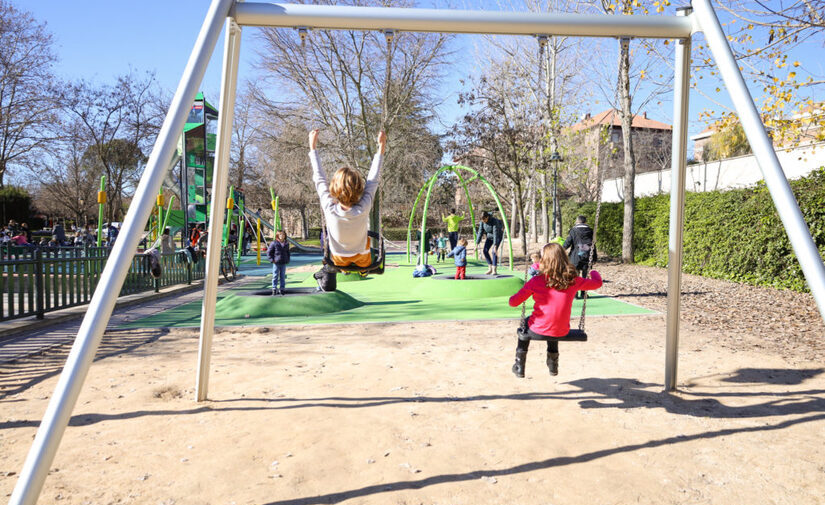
535,256
463,241
346,186
556,267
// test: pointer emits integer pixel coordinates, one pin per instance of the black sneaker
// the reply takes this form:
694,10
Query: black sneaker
274,292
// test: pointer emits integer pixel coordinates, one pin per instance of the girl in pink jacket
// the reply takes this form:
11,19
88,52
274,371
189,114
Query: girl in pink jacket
553,290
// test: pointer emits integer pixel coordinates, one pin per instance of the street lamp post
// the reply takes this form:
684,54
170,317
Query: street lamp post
555,157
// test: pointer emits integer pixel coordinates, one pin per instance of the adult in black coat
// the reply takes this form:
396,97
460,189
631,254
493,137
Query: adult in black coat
580,241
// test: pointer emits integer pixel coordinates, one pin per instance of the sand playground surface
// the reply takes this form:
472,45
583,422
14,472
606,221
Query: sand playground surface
427,412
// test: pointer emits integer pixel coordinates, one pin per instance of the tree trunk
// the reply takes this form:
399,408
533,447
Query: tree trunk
545,219
629,156
521,216
304,224
534,237
513,220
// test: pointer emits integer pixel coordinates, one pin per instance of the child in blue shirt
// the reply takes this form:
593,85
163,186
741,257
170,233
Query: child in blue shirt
460,256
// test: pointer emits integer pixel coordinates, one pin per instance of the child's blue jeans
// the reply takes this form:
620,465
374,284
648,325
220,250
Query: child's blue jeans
278,276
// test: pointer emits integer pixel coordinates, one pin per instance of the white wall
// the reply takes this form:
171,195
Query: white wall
738,172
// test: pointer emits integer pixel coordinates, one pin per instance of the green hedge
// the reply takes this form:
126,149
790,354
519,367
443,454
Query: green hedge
735,235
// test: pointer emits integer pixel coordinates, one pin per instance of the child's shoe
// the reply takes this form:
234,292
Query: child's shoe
489,270
495,271
553,363
274,292
518,366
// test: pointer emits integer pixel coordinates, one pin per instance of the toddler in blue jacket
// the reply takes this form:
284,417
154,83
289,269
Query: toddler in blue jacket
459,254
278,254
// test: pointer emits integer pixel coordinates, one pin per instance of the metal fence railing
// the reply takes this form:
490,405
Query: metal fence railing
35,281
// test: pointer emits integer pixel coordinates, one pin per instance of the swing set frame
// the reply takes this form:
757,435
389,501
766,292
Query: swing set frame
232,14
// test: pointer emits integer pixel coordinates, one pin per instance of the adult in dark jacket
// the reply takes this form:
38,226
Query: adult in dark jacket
278,254
579,242
493,229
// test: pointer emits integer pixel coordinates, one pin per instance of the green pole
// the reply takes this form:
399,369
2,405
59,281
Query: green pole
100,209
168,211
240,230
469,202
423,237
160,213
277,213
412,216
228,216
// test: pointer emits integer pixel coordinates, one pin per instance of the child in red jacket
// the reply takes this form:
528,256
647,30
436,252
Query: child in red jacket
553,290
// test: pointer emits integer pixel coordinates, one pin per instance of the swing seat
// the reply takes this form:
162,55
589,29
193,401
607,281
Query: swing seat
376,267
574,335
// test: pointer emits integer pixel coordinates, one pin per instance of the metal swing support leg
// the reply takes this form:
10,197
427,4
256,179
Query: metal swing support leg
62,402
681,93
220,180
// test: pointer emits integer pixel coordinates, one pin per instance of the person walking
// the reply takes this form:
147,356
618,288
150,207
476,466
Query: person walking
579,242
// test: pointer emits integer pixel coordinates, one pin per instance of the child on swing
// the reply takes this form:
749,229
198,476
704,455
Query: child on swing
346,202
552,290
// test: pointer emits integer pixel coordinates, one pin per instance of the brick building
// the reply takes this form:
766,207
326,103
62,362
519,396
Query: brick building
599,137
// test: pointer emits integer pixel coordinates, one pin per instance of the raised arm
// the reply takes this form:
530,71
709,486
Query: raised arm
318,175
374,176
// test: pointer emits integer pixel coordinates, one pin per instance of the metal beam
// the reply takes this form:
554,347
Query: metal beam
783,198
460,21
681,94
220,180
41,455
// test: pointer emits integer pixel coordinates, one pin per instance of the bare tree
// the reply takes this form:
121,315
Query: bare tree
118,122
242,158
27,105
69,177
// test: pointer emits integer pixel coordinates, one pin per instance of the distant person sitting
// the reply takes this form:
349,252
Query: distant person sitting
167,245
111,233
58,232
195,234
20,240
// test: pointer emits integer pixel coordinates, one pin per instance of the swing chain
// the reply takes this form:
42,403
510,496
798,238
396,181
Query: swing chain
593,244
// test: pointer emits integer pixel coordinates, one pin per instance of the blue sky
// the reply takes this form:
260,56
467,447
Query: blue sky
98,40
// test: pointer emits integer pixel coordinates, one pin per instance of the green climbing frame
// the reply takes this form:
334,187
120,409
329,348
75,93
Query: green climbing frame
428,185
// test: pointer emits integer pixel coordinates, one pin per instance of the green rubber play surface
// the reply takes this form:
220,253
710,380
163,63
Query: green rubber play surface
392,297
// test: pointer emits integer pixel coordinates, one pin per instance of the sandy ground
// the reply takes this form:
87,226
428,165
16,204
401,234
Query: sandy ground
427,413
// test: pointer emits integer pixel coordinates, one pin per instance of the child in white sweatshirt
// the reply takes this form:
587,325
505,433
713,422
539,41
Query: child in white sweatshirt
346,204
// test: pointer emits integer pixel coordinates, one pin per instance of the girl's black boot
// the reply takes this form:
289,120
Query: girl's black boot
553,363
518,366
